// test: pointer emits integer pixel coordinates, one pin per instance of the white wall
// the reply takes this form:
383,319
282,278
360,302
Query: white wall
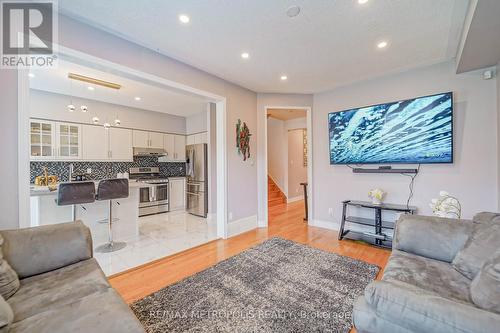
8,149
473,176
277,153
297,172
498,126
196,123
263,101
54,106
241,104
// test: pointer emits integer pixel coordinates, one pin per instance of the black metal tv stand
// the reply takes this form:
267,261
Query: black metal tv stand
383,230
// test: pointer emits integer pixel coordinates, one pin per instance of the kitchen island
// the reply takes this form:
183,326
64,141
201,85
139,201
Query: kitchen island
44,210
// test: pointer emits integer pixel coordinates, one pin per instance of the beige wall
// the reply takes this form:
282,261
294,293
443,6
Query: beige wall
241,104
472,177
297,172
498,126
277,154
8,149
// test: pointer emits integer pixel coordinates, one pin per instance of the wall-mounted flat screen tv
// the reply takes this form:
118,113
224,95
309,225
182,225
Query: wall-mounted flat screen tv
413,131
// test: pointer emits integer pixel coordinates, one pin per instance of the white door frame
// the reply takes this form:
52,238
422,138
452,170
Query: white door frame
263,180
73,55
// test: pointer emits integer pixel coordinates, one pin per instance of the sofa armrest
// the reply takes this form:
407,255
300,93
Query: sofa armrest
32,251
421,311
431,237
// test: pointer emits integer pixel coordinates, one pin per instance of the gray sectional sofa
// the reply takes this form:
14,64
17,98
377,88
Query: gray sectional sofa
62,288
443,276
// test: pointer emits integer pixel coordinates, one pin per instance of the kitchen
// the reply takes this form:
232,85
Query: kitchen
88,129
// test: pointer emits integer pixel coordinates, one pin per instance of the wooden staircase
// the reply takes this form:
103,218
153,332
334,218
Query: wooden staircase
274,195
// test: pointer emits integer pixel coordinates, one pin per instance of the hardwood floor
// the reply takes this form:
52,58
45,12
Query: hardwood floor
285,220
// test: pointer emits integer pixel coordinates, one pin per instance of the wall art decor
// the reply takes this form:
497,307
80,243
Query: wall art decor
243,139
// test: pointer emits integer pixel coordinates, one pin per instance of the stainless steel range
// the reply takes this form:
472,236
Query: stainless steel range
153,197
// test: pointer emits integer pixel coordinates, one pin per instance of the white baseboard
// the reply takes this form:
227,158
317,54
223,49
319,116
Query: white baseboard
242,225
297,198
332,225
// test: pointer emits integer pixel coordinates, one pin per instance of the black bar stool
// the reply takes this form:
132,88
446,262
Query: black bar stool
74,193
110,189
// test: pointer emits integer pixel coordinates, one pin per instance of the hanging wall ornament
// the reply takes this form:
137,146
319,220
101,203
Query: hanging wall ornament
243,139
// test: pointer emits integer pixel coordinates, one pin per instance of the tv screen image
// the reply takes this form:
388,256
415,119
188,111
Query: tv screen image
413,131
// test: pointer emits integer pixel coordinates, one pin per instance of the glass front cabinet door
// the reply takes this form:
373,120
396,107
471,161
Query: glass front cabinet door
42,140
68,141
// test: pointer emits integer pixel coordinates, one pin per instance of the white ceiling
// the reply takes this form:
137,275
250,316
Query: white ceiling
331,43
286,114
153,98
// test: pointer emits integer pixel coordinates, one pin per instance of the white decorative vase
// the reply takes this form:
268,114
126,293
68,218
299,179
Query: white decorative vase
376,201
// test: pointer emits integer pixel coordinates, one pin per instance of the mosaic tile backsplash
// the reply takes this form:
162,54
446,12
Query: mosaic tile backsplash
103,170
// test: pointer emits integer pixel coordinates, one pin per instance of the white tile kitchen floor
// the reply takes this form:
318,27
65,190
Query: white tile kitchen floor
159,236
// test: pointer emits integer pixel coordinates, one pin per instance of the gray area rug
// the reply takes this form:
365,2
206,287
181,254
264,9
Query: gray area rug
277,286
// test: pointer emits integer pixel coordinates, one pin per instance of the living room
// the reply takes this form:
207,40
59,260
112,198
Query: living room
400,233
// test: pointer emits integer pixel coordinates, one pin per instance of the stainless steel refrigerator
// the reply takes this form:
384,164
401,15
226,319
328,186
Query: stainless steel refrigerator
197,179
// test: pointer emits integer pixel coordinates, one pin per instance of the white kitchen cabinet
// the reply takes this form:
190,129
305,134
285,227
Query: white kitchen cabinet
180,148
69,141
94,143
120,144
140,139
169,145
101,144
177,193
42,140
144,139
156,140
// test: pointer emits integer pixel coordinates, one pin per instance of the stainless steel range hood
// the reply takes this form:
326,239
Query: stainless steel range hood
149,152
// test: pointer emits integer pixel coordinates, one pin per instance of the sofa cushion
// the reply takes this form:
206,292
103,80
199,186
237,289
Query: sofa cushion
485,288
36,250
419,311
9,281
366,320
98,312
6,316
485,217
483,242
435,276
58,288
430,236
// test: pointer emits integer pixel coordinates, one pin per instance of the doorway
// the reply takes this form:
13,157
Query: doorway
217,141
288,158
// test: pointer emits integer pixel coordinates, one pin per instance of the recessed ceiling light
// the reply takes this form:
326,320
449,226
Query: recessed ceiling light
137,98
293,11
90,88
362,2
31,75
184,18
382,44
245,55
284,77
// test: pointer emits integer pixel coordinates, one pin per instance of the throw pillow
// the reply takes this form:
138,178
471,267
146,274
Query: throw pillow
485,288
6,315
9,281
484,241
